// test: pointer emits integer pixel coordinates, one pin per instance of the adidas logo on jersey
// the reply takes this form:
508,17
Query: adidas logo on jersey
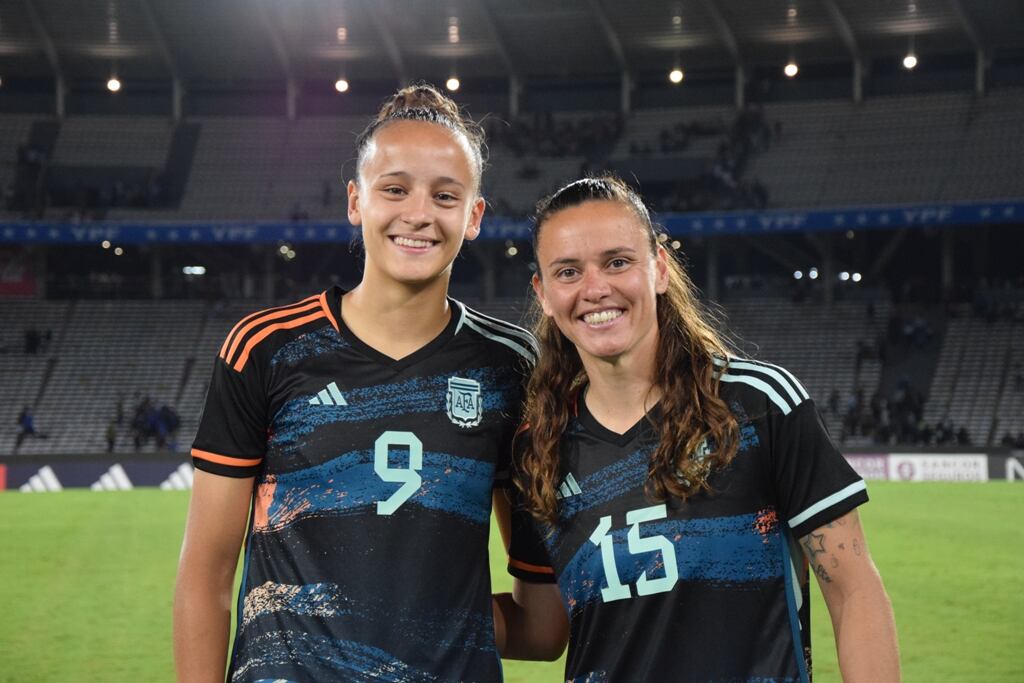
568,487
331,396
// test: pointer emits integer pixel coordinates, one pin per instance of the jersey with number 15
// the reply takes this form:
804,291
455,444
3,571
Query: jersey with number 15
711,589
366,556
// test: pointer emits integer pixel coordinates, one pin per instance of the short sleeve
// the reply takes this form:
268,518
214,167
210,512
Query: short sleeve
527,556
813,481
232,436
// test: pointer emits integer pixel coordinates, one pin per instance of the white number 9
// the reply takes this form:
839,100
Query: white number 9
409,477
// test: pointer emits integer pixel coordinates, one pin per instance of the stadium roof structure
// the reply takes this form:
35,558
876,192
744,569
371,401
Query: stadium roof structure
190,42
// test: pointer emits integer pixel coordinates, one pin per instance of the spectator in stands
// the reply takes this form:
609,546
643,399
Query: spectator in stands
27,427
111,436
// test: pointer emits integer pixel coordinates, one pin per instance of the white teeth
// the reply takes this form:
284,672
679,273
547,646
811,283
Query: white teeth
601,317
408,242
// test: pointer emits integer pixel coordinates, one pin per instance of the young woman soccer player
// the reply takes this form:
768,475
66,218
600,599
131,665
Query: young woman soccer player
672,486
353,440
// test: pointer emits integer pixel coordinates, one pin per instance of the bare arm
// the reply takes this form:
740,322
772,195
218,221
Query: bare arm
861,613
217,517
533,622
530,622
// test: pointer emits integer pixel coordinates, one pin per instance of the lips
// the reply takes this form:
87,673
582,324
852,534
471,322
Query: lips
603,317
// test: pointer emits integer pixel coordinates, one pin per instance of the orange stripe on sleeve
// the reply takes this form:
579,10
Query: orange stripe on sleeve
539,569
252,316
327,310
224,459
270,329
267,318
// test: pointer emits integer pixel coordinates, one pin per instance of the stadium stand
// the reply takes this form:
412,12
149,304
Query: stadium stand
906,148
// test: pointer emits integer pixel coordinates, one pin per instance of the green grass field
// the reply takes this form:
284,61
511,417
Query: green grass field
87,580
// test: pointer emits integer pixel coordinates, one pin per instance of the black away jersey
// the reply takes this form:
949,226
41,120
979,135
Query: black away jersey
711,590
367,556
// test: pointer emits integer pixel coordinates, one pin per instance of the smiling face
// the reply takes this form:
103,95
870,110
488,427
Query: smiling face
598,279
417,199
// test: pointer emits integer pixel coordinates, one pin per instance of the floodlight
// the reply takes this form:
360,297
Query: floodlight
452,84
114,84
791,69
676,75
341,85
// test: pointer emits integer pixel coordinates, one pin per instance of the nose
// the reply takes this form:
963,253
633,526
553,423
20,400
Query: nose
595,284
416,211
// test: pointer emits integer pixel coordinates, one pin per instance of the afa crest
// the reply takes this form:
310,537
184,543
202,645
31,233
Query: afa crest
465,403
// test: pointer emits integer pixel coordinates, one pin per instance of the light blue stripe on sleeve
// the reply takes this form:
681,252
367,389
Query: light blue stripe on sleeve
826,503
761,385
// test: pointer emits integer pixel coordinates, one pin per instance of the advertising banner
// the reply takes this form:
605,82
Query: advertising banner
938,467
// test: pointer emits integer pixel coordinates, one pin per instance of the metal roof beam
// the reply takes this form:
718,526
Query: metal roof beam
388,38
44,37
970,28
281,52
276,39
610,33
499,42
50,48
725,31
177,90
160,39
844,28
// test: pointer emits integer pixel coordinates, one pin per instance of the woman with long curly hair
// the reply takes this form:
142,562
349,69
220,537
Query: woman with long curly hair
668,487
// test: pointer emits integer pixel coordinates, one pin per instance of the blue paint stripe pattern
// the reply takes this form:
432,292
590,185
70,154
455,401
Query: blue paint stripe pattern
310,345
725,550
297,417
348,485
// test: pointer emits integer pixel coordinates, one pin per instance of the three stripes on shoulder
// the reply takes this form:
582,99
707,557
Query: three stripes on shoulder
512,336
777,383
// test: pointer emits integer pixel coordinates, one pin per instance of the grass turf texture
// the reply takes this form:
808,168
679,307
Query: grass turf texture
86,581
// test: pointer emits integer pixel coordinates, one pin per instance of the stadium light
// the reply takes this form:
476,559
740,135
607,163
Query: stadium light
105,244
844,276
194,270
511,251
452,84
813,273
676,75
114,84
342,34
798,274
118,251
791,69
856,277
676,244
341,85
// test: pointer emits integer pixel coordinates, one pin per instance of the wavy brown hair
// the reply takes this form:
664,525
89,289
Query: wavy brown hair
690,409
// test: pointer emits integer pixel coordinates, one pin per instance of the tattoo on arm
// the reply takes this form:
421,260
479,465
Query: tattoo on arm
819,556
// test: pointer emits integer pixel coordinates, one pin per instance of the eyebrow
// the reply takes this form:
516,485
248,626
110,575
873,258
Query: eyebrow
442,180
606,254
